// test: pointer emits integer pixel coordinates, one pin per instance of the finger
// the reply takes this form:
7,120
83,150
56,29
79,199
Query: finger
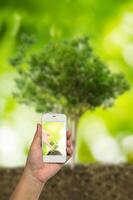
68,134
69,143
69,151
36,143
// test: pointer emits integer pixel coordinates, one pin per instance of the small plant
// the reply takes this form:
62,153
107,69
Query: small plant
65,76
54,150
54,145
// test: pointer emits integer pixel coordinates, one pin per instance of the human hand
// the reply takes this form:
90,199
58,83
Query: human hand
35,167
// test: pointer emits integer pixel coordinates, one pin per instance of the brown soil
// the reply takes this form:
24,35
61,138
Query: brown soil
93,182
54,152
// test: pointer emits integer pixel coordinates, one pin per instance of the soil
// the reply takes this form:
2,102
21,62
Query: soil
90,182
54,152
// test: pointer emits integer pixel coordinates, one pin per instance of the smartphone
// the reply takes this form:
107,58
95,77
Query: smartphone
54,137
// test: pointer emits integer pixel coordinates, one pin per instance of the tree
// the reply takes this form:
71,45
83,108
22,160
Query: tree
65,76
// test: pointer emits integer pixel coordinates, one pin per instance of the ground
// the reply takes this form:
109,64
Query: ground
90,182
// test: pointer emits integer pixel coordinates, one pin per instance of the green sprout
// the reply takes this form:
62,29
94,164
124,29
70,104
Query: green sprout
54,145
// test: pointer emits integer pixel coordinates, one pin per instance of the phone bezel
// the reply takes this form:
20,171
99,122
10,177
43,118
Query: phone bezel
55,117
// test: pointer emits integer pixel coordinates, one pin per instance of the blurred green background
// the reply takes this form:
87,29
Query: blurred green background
103,135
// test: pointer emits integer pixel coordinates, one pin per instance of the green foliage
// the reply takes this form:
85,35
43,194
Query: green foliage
54,145
67,77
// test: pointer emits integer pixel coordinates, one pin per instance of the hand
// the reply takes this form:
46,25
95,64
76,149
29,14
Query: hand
35,167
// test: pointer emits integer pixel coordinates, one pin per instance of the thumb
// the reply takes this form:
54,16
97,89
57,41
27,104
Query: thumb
36,143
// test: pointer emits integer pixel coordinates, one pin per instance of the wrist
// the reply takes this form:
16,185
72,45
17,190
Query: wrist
27,174
28,187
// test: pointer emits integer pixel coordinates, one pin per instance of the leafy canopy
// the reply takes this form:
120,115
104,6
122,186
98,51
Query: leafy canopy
67,77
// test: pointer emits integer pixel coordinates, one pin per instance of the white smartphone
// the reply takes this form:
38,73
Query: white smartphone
54,137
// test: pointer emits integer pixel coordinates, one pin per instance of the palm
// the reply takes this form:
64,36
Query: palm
42,170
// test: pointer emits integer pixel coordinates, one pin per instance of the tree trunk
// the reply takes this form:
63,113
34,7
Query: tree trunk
72,125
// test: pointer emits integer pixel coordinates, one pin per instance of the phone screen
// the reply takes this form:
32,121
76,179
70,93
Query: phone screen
53,138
